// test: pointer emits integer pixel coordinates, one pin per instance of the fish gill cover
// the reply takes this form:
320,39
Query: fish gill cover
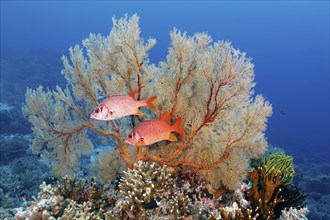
208,83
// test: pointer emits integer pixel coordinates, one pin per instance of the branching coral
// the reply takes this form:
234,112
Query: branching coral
81,190
264,193
46,206
153,191
209,84
82,211
146,183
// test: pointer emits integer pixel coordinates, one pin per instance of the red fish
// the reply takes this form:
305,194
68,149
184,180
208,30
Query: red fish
152,131
118,106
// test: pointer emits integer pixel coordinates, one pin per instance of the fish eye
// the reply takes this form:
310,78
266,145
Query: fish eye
130,136
142,139
97,110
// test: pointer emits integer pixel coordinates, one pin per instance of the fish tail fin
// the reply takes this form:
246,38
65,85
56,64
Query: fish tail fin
148,102
176,127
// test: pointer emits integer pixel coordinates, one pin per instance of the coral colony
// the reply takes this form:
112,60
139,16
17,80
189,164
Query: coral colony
185,137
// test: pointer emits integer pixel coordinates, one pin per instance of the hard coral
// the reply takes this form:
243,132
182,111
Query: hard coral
80,191
145,183
294,214
46,206
82,211
264,193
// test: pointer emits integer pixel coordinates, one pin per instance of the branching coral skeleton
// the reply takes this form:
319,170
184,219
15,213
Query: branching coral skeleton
209,85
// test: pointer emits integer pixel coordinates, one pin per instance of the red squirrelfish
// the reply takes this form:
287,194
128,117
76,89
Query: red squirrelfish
118,106
152,131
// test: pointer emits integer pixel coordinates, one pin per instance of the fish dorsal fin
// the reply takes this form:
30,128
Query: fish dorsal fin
132,94
166,117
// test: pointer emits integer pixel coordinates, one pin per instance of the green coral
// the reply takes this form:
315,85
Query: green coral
281,163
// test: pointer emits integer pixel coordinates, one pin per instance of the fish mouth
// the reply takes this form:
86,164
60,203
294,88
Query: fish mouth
128,141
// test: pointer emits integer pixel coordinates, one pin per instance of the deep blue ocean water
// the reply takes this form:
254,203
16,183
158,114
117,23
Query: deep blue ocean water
288,41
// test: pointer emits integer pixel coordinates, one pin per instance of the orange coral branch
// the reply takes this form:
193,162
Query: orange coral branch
179,149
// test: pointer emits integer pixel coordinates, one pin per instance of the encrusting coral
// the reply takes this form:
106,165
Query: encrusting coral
209,84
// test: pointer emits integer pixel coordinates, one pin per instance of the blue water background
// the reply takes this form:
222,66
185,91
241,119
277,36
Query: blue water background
288,41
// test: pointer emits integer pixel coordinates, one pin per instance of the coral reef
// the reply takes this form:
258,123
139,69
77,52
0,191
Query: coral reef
81,190
5,215
148,183
148,191
271,191
210,84
19,181
46,206
264,193
154,191
81,211
201,176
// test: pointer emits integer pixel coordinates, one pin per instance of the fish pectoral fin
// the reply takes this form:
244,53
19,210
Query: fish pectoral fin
139,112
172,137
